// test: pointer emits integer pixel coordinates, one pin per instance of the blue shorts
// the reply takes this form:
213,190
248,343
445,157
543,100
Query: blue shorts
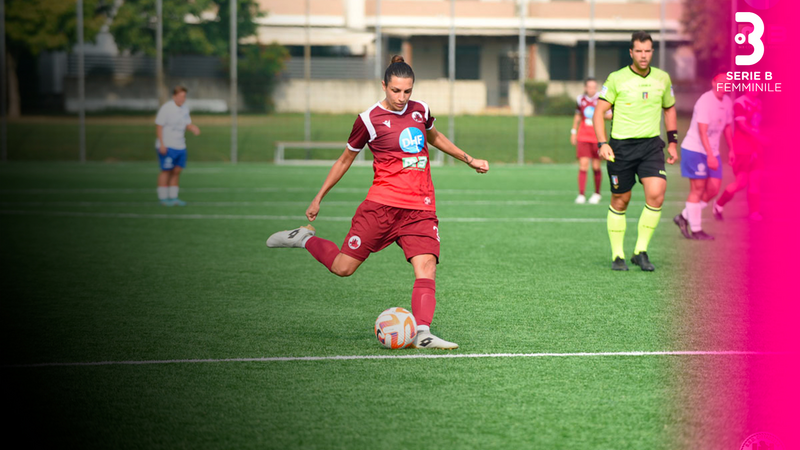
172,158
694,166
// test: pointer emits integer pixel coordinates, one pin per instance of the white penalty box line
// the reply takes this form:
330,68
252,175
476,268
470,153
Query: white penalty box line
398,357
299,218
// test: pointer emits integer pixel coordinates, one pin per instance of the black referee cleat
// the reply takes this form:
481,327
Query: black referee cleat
683,224
702,236
619,264
643,261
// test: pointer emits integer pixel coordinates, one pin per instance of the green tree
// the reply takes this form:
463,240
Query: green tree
34,26
258,70
199,27
701,20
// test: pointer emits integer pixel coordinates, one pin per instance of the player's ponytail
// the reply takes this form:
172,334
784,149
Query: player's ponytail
398,68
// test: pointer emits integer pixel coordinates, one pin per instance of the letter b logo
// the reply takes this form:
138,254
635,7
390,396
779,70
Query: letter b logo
753,39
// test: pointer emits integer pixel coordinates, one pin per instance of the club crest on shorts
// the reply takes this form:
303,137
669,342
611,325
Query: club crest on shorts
427,201
354,242
615,181
417,116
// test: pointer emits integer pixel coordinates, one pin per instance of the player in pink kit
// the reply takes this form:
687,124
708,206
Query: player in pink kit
585,141
400,206
746,160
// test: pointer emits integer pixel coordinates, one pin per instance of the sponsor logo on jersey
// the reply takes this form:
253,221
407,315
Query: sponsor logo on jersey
388,123
412,140
414,162
588,112
604,91
354,242
417,116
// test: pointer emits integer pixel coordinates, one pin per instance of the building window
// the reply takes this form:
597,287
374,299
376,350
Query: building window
567,63
468,62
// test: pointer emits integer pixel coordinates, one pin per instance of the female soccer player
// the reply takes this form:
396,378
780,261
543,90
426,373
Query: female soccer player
172,121
585,141
400,206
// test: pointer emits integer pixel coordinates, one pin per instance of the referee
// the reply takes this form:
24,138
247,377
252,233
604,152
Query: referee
637,93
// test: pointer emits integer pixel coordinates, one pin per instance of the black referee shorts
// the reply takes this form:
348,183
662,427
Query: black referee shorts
632,157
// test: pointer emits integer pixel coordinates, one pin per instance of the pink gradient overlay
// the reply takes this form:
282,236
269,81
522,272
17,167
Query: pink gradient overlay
772,311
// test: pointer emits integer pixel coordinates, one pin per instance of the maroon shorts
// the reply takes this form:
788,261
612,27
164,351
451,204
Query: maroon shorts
376,226
586,150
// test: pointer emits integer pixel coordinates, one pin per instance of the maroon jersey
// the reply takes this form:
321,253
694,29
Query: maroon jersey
748,110
586,107
400,149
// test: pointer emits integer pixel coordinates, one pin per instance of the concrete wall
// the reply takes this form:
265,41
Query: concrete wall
354,96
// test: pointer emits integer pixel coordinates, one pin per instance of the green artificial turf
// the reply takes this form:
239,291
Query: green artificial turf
132,138
94,269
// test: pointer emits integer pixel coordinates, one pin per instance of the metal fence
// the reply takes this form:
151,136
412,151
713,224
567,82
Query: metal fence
471,58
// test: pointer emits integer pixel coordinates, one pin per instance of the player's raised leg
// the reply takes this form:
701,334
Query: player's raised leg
654,189
423,303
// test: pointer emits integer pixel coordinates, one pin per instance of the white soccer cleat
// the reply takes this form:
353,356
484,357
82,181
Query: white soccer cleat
291,238
581,199
425,339
595,198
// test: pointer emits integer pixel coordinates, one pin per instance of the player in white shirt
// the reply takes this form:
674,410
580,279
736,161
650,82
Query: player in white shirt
700,161
172,121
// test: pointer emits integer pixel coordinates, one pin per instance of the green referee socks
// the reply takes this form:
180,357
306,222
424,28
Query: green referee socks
616,232
647,225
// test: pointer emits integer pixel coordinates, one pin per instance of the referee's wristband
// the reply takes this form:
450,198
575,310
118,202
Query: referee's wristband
672,136
601,144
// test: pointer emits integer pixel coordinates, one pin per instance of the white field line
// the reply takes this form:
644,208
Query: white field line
412,356
344,190
303,218
304,203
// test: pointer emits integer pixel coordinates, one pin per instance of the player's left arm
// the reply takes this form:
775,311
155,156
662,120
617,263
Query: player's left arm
671,122
441,142
193,128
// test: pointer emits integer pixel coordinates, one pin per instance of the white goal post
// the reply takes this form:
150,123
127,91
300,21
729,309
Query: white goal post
280,155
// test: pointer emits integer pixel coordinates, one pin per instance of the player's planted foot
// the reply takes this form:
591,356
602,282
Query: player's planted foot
643,261
683,224
702,236
426,339
717,211
178,202
595,198
581,199
166,202
619,264
291,238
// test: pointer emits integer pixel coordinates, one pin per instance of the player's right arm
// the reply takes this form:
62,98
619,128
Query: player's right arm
605,152
711,160
340,167
160,135
608,95
576,121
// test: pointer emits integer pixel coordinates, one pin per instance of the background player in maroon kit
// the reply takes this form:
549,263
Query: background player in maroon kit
746,159
400,206
585,141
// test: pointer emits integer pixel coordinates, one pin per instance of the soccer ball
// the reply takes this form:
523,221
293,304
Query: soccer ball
395,328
